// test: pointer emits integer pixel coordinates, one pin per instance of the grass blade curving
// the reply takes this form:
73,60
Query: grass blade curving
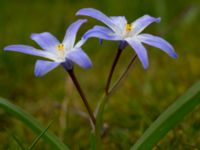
32,123
169,118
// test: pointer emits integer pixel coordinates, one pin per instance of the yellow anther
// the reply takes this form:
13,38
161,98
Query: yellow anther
128,27
60,47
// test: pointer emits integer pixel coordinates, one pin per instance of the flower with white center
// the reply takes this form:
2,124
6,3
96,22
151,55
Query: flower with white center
120,30
65,53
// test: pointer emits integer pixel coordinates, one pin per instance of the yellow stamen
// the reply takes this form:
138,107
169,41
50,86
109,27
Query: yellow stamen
60,47
128,27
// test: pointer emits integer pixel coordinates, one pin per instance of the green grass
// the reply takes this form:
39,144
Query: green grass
132,108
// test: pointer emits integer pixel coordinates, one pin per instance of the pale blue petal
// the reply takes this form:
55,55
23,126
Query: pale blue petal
30,50
71,32
140,51
42,67
120,21
141,23
102,33
99,16
45,40
79,57
80,43
159,43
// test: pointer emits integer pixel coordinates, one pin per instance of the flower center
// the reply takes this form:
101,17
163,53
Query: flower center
60,52
128,27
60,47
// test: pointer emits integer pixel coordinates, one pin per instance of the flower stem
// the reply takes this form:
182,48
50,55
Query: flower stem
99,117
122,76
108,91
104,100
77,85
119,52
115,85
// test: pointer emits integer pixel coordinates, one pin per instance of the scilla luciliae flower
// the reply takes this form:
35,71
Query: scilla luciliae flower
65,53
118,29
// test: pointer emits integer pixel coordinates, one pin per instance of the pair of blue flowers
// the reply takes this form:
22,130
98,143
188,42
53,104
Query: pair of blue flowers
67,53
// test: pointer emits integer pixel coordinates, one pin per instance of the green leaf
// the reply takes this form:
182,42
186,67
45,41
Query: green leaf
18,142
32,123
92,141
39,136
99,120
169,118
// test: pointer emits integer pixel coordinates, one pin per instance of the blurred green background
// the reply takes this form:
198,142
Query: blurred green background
136,103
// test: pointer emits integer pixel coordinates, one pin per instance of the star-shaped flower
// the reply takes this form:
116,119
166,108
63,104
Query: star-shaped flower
65,53
120,30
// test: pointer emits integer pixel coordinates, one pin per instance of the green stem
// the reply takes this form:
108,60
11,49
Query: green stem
103,101
99,119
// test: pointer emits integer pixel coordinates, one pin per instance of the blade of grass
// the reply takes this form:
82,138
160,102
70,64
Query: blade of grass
92,141
39,136
18,142
32,123
169,118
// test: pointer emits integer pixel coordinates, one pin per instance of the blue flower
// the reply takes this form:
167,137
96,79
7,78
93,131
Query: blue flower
65,53
119,30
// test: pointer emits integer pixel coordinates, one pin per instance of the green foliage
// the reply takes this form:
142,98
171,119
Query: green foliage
32,123
32,146
169,118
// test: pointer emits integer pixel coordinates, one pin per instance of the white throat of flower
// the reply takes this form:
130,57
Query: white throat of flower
60,51
127,31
